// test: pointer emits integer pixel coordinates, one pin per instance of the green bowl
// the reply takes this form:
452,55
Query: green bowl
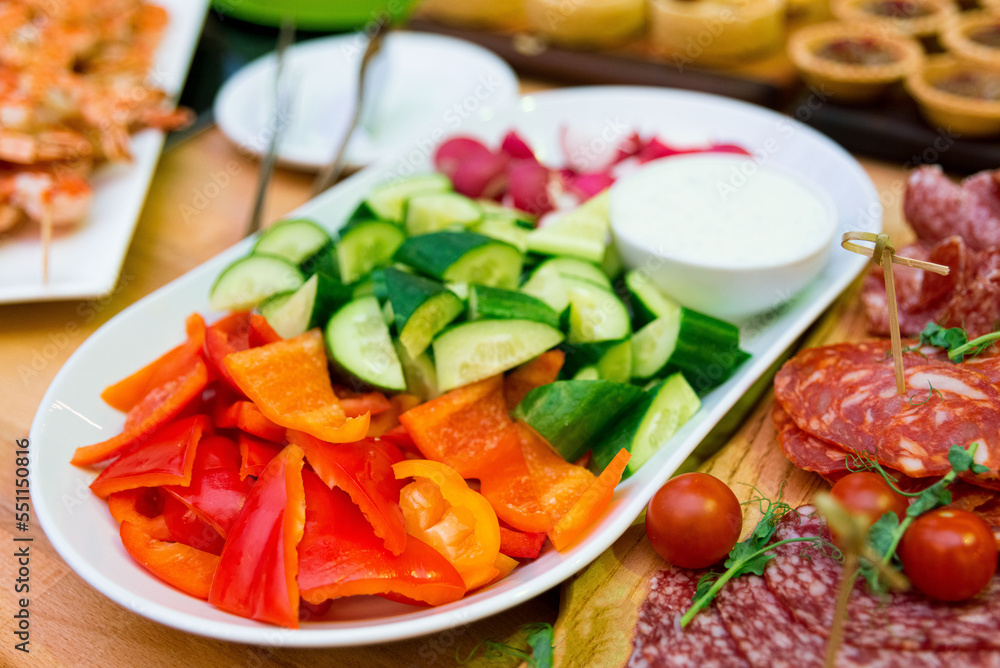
315,14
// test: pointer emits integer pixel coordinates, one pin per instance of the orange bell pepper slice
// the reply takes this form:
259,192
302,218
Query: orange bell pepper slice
511,489
441,510
289,382
252,420
340,555
157,408
542,370
177,564
143,507
127,393
228,335
370,402
591,504
364,471
256,573
385,422
167,458
557,483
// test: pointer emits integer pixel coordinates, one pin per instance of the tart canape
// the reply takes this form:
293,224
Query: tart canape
959,95
475,13
974,36
585,23
852,62
715,32
920,18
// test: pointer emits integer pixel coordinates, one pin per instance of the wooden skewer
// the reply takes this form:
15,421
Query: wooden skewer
884,255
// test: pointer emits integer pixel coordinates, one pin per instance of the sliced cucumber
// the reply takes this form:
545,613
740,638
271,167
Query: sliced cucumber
309,306
581,233
421,307
504,229
645,427
250,280
491,208
387,201
360,345
295,240
365,246
647,300
463,257
576,268
421,378
472,351
433,212
363,289
546,284
587,373
486,303
595,313
570,413
612,360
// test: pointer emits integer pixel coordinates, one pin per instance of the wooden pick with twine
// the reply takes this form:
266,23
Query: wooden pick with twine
884,255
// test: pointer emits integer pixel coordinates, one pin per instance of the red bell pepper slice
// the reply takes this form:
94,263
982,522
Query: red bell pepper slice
401,438
340,555
143,507
520,544
127,393
252,420
187,527
228,335
261,333
464,428
591,504
166,458
364,471
289,382
256,573
255,454
542,370
177,564
371,402
157,408
216,492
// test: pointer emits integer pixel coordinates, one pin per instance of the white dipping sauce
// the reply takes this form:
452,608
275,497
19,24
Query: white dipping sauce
721,210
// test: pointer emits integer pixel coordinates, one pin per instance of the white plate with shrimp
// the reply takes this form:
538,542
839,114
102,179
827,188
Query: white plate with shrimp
86,253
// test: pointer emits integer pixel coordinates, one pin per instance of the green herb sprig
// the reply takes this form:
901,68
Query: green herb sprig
539,653
955,341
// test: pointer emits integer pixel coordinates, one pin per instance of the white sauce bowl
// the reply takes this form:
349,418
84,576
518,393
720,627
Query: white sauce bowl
722,234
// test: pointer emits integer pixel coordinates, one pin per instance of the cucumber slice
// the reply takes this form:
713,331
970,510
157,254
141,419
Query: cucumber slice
363,289
250,280
491,208
472,351
421,308
588,373
504,229
387,201
365,246
463,257
647,300
486,303
433,212
421,378
569,413
595,313
309,306
581,233
575,268
360,345
295,240
612,360
645,427
546,284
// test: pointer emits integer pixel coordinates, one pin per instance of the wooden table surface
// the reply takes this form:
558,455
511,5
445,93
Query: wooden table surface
185,222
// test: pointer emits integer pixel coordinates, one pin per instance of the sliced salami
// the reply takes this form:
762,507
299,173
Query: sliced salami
659,640
936,207
805,579
805,450
846,394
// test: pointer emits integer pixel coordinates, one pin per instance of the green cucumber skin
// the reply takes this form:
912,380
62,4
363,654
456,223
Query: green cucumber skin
622,434
270,241
569,413
707,351
499,304
407,292
293,279
587,354
434,253
331,294
353,242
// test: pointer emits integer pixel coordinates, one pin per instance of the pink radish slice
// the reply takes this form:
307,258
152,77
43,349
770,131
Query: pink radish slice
516,148
528,186
587,185
481,176
455,152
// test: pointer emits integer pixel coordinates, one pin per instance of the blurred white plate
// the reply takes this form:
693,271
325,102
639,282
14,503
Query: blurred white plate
72,414
86,258
423,87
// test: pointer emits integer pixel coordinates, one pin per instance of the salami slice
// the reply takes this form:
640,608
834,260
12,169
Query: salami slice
659,640
846,394
805,450
936,207
805,579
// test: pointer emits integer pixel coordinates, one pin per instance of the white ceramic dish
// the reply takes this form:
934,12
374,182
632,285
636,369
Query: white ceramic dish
423,87
86,258
71,413
721,233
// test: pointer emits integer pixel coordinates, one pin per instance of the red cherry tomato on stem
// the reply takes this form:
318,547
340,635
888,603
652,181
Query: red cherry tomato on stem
949,554
868,494
694,520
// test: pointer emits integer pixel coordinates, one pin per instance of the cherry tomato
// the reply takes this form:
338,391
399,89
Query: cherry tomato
868,494
949,554
694,520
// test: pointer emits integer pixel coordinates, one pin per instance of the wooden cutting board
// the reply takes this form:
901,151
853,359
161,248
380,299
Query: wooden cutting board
600,605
